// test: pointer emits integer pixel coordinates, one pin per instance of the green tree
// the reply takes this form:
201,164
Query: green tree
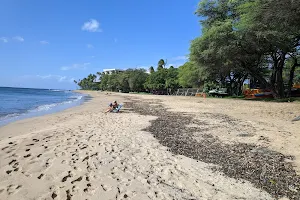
161,64
244,37
156,80
126,81
274,24
88,83
291,73
137,79
189,75
151,69
171,82
103,81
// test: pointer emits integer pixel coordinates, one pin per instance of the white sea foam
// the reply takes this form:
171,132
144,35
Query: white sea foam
76,97
56,90
42,110
51,106
9,116
44,107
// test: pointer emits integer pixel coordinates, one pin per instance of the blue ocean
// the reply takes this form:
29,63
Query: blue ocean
20,103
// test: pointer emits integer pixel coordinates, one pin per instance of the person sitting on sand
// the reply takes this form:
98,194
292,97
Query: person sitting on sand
112,106
115,104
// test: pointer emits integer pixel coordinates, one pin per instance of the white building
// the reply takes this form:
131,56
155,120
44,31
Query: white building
110,71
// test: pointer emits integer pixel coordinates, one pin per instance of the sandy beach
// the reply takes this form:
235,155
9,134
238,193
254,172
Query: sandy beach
158,147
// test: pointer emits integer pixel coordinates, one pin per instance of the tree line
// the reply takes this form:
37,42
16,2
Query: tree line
161,80
241,39
249,38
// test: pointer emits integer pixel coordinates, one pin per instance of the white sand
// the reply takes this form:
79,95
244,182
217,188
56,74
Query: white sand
268,124
82,153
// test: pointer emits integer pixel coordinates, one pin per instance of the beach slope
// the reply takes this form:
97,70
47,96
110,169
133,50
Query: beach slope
83,153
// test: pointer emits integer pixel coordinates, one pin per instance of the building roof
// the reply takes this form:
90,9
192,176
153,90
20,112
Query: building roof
105,70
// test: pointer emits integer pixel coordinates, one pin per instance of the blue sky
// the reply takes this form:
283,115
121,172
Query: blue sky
47,44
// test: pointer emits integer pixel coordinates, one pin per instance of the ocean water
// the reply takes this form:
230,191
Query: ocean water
20,103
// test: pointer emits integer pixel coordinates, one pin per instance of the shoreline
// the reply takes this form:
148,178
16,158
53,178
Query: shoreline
31,123
84,153
58,107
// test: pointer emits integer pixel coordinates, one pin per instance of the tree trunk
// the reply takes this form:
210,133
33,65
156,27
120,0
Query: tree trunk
274,72
279,80
262,81
241,83
292,73
231,85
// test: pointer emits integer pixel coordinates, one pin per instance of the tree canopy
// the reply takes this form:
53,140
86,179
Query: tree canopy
241,39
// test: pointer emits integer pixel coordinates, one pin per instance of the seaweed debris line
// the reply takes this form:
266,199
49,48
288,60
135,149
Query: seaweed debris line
264,168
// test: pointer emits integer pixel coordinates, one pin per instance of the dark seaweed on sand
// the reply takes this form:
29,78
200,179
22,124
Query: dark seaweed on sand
266,169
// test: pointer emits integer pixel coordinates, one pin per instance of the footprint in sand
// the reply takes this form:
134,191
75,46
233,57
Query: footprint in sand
11,189
66,177
10,151
13,161
4,148
53,192
47,137
86,158
89,189
40,176
26,174
28,155
75,189
77,180
53,195
105,187
69,195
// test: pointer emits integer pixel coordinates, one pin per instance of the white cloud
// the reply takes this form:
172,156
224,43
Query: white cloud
18,38
45,76
65,68
44,42
54,77
62,78
89,46
4,39
91,26
75,66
